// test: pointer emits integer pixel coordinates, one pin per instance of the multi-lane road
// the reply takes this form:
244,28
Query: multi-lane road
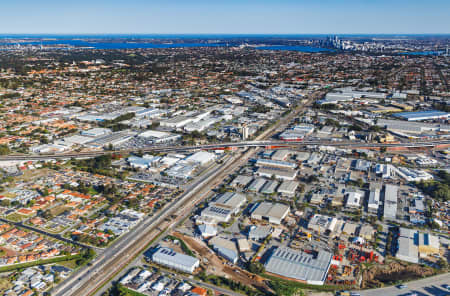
242,144
431,286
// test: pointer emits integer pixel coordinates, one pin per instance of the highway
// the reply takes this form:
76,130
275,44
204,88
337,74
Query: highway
243,144
431,286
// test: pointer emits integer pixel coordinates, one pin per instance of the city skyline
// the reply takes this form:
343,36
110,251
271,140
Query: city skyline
232,17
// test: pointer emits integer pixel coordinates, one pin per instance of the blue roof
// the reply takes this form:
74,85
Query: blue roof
418,114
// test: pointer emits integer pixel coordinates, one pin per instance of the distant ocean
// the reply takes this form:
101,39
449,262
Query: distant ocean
137,42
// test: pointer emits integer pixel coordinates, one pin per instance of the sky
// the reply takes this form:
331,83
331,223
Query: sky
227,16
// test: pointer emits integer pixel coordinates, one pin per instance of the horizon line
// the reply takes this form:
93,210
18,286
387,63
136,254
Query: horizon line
237,34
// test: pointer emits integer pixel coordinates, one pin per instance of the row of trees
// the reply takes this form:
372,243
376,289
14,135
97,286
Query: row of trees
439,190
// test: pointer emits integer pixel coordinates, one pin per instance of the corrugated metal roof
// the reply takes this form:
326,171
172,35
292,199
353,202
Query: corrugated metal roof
167,254
299,265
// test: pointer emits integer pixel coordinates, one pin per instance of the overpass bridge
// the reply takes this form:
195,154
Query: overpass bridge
435,144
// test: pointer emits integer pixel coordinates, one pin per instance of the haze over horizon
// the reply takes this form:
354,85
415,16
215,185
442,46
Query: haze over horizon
230,17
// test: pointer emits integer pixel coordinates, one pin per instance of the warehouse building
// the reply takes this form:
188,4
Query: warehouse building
390,201
96,132
181,171
361,165
201,157
283,174
172,259
114,139
256,184
367,232
271,212
374,200
322,223
407,250
413,245
243,245
225,248
75,140
346,95
290,135
354,199
281,154
201,125
241,181
316,198
412,127
256,232
384,170
158,137
224,207
275,163
428,244
207,230
288,188
176,122
297,265
150,113
423,115
412,175
144,162
269,187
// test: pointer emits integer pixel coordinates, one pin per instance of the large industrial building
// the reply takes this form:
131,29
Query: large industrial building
225,248
345,95
390,201
303,267
412,175
288,188
256,184
413,245
172,259
423,115
269,187
275,163
201,157
282,174
296,133
224,207
96,132
412,127
176,122
272,212
158,137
